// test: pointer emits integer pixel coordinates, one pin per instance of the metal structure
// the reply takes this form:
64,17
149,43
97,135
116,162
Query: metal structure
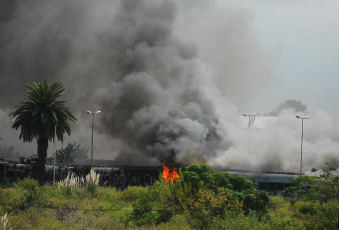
93,113
249,126
302,137
273,183
120,177
54,158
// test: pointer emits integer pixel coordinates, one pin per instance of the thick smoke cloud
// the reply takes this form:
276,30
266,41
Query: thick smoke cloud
127,62
143,63
157,104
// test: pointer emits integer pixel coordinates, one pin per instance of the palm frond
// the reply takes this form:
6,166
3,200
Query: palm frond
42,112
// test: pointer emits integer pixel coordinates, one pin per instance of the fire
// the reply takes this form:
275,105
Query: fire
169,173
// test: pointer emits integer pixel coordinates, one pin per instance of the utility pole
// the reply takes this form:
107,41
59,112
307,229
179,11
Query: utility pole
302,137
249,126
93,113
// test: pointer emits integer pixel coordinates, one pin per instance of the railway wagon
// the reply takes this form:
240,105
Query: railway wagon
273,183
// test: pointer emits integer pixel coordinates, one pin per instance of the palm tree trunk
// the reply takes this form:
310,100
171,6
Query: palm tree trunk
42,154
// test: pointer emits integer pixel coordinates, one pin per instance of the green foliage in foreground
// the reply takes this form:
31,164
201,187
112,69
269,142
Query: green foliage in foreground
202,194
201,199
320,196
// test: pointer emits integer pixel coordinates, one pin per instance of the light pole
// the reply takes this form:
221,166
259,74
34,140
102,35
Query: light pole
302,137
249,125
93,113
54,156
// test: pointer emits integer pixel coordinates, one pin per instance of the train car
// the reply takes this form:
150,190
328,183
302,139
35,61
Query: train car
122,177
272,183
61,172
119,177
111,176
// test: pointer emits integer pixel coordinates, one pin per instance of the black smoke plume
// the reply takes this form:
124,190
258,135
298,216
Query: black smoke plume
122,57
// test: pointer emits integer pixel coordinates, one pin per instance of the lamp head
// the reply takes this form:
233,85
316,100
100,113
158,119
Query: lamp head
87,111
298,116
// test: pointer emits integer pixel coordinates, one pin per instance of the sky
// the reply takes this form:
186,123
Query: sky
302,40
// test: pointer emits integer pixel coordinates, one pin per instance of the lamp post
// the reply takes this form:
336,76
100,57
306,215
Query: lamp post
249,125
54,156
302,137
93,113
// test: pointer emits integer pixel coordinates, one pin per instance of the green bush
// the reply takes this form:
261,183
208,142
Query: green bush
201,176
11,199
320,197
27,184
153,205
132,193
33,196
202,195
108,194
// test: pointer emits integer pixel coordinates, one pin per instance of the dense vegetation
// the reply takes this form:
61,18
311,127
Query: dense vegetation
322,195
199,199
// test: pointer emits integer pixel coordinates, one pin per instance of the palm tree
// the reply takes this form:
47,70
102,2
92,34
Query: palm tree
42,116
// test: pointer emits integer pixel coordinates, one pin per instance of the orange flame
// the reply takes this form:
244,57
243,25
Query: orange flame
169,173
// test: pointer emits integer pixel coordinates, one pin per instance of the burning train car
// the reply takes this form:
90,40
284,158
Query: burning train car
122,177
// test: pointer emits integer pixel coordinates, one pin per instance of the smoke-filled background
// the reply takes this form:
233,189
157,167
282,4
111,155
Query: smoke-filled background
171,78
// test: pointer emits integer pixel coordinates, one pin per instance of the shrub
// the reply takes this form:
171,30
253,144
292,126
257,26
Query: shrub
108,194
27,184
202,195
70,183
131,194
33,196
153,205
13,199
321,194
4,222
243,190
208,205
92,181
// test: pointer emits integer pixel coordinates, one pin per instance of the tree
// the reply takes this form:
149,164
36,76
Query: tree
8,151
320,195
71,153
289,104
41,116
199,176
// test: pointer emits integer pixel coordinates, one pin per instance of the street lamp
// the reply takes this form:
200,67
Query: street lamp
93,113
55,136
249,118
302,137
249,125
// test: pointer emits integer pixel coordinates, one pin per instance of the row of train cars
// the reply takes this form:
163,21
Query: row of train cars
122,177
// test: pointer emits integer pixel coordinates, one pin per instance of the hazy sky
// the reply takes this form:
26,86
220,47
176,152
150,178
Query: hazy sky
302,40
